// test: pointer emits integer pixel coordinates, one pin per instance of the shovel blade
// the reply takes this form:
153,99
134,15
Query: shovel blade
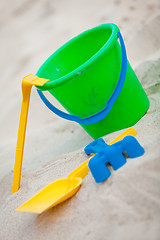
51,195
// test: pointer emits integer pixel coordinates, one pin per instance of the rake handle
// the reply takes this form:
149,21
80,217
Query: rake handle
27,83
26,91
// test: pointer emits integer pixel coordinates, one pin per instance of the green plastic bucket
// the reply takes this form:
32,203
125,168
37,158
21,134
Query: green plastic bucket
84,75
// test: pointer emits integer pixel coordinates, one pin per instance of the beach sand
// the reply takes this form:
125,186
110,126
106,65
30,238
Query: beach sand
127,205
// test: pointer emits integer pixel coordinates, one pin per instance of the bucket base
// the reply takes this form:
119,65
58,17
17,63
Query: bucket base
131,105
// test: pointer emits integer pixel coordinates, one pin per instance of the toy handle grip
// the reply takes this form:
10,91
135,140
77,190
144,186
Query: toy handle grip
103,113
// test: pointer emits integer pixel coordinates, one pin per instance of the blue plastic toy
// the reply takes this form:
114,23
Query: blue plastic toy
114,154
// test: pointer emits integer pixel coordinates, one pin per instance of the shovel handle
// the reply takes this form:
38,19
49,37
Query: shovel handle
83,169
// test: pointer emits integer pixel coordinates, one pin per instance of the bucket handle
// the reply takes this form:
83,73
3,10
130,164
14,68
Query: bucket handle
103,113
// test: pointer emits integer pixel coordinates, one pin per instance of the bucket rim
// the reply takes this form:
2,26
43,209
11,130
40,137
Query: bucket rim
79,70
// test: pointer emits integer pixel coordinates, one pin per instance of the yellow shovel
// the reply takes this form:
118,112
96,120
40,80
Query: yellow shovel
64,188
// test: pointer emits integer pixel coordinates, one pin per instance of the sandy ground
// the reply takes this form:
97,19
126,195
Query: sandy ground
127,206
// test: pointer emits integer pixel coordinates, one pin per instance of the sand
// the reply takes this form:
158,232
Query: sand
127,205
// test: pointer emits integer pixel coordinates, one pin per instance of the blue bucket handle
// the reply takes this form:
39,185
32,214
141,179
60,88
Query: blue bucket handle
103,113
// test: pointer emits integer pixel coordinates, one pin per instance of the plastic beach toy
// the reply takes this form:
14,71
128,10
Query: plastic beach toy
114,154
27,84
64,188
92,79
